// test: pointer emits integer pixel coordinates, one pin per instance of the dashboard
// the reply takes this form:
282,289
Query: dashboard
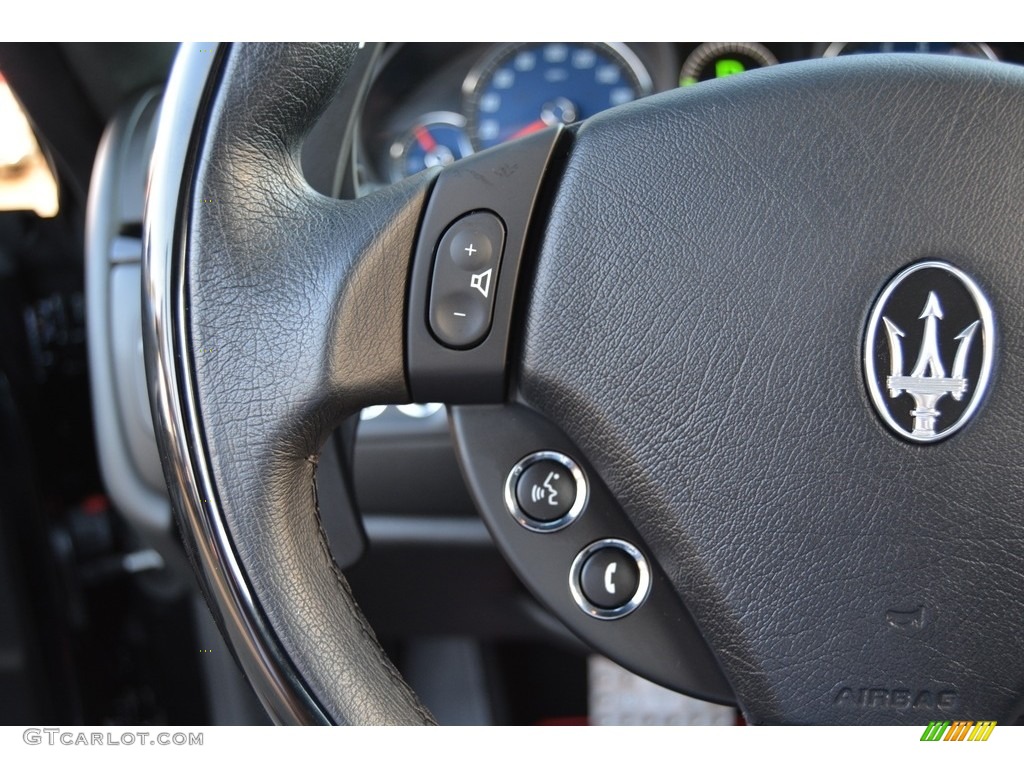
431,104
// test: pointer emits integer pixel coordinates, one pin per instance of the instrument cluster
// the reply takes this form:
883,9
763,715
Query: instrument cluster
432,103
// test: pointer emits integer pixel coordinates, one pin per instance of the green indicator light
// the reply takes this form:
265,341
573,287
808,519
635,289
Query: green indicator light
684,81
726,67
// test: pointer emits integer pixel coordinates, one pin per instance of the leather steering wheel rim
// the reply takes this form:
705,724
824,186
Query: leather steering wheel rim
283,604
303,297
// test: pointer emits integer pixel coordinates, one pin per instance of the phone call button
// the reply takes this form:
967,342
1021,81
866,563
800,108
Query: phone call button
609,578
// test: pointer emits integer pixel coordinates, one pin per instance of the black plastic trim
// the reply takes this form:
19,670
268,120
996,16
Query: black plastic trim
658,640
505,180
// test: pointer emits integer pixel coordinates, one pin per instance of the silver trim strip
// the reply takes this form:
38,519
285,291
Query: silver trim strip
643,587
175,413
578,505
142,502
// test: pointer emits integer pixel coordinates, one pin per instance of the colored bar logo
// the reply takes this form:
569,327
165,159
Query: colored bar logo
958,730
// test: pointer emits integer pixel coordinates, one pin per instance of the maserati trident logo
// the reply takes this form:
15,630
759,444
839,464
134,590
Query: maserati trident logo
936,309
928,382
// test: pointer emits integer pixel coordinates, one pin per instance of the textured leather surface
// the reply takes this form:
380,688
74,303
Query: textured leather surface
695,326
295,308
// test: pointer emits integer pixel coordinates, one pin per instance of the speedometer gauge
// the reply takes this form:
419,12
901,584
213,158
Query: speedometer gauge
526,87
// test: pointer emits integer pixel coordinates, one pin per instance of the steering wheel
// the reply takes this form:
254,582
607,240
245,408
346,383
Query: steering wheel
693,310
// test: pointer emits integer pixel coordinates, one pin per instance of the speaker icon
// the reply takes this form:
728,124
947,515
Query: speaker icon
481,282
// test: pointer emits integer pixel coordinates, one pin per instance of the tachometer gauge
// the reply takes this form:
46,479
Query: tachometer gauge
973,50
437,138
714,60
525,87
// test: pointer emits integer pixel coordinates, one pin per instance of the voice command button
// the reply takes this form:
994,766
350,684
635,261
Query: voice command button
546,491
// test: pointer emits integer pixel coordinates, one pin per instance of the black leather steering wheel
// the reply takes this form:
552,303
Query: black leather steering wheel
682,308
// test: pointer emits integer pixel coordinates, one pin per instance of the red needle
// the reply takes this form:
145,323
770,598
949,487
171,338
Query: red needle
424,139
526,130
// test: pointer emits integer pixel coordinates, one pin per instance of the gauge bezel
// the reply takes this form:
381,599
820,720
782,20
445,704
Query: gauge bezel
493,58
835,49
403,140
705,53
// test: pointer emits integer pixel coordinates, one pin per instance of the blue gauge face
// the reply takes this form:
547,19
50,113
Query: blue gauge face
528,87
438,138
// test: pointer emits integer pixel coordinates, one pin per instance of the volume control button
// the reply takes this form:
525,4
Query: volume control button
465,279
